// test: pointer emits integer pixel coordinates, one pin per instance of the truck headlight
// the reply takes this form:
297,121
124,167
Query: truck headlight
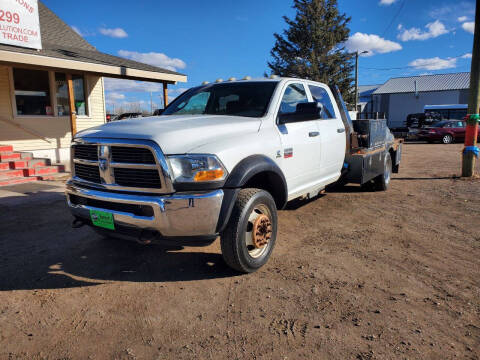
196,168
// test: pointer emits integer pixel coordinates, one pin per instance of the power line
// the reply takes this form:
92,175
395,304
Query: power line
394,17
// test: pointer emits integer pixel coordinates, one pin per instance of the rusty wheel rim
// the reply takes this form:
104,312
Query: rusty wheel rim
259,231
262,231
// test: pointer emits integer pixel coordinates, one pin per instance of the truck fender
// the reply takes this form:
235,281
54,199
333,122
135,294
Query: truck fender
254,171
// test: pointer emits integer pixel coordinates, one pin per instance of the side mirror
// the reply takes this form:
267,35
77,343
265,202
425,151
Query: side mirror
158,112
303,112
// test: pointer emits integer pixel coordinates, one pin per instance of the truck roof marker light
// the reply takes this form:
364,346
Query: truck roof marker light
219,80
247,78
232,79
205,82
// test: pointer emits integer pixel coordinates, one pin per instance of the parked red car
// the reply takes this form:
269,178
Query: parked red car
446,131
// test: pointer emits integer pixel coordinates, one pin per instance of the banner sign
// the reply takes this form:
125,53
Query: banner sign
19,23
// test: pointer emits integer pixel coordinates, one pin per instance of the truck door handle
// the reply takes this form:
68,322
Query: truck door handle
313,133
340,131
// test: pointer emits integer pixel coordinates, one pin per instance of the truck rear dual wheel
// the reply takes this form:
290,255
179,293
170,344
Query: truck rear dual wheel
382,182
249,238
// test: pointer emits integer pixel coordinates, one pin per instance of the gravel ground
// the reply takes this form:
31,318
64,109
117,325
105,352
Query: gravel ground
354,275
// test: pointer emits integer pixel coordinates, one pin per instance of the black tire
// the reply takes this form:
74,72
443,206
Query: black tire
233,239
447,139
369,186
382,182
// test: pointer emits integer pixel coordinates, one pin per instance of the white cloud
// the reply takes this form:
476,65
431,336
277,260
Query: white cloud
467,56
119,102
462,19
434,63
177,91
387,2
122,85
445,12
114,96
434,30
115,33
173,93
469,27
372,43
82,32
77,30
155,59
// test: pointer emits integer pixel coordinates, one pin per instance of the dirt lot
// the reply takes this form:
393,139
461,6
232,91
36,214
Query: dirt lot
355,275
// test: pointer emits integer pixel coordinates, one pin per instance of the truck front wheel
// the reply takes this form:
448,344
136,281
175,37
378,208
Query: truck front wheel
250,234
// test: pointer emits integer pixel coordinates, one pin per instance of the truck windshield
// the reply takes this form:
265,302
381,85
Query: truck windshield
250,99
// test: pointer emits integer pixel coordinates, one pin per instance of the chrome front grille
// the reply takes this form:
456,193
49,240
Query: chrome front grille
129,165
85,152
132,155
145,178
88,173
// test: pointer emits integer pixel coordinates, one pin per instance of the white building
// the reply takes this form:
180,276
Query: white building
53,88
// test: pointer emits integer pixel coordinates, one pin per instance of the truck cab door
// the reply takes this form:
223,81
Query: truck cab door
332,134
300,141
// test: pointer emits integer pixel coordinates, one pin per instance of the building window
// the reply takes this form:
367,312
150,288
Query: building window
79,94
32,92
61,89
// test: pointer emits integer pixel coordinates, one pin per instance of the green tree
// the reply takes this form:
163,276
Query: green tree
312,46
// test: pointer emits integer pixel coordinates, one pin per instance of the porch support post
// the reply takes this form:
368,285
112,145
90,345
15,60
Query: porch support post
71,102
165,95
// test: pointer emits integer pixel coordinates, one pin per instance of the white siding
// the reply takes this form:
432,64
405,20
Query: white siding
96,104
55,130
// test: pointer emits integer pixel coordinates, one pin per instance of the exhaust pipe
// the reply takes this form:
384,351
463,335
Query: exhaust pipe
77,223
146,237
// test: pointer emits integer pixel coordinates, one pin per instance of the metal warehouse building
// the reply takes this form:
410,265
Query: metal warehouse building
399,97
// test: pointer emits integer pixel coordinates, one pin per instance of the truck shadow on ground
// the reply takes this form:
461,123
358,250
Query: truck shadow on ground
40,250
345,189
453,177
105,260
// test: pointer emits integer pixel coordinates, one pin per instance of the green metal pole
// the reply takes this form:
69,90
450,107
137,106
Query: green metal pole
468,158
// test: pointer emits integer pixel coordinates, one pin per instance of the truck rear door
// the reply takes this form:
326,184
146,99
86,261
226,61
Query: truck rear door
332,134
300,142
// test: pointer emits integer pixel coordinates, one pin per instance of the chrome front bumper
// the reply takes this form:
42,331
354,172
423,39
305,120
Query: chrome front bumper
176,215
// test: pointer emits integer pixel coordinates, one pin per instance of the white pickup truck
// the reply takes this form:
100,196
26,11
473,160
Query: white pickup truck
220,160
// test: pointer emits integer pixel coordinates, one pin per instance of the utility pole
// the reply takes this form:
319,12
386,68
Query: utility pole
470,152
356,81
356,78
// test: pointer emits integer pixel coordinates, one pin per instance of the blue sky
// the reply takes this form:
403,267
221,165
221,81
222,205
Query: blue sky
214,39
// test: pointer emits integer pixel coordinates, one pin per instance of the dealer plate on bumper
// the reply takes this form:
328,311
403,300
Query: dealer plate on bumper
102,219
